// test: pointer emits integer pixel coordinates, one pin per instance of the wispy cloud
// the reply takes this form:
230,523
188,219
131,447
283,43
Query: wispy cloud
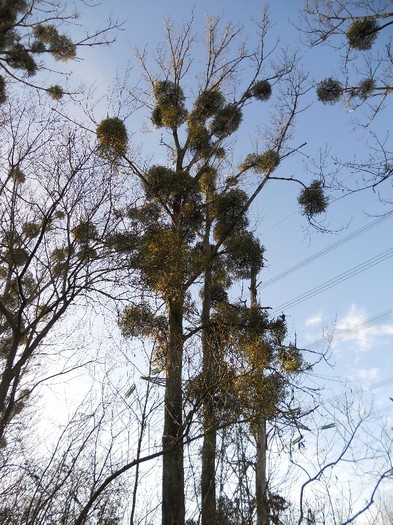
357,328
367,374
314,320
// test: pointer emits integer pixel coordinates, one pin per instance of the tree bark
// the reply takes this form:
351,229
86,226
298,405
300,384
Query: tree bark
260,476
260,467
173,507
208,475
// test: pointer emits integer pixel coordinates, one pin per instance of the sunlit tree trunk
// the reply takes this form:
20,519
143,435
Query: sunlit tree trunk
260,469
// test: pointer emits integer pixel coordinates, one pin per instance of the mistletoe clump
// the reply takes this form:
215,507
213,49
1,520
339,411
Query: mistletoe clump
20,58
329,91
112,137
312,199
229,212
170,111
32,229
84,232
17,174
362,33
170,186
199,140
207,180
59,45
226,121
163,261
55,92
19,256
244,254
291,359
365,89
262,90
208,104
267,162
140,321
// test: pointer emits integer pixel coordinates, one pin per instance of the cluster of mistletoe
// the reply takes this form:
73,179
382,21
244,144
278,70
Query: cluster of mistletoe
358,26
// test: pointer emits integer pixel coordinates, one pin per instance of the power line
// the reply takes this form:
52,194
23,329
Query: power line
377,259
326,250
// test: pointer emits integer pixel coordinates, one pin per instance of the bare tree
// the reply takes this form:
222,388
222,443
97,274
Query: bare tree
359,33
382,512
48,482
30,31
55,201
345,456
353,28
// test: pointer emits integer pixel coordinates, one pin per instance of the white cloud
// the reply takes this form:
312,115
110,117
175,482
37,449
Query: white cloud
357,328
368,374
314,320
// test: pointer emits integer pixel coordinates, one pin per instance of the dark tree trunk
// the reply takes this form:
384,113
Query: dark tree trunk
260,476
173,508
208,476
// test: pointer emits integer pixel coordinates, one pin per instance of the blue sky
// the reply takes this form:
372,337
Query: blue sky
365,354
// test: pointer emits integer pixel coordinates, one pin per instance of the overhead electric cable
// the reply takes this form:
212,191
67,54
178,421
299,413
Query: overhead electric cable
326,250
377,259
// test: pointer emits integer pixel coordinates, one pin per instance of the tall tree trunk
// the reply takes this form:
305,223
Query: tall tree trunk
260,476
173,507
208,476
260,470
